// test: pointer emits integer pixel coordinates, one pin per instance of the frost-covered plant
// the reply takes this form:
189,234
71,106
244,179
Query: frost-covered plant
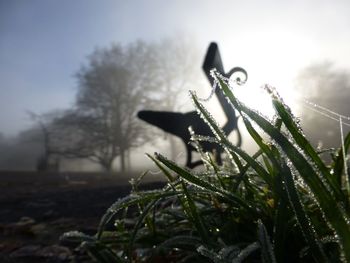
282,204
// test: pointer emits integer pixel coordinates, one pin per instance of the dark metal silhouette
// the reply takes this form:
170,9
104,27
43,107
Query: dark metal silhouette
178,123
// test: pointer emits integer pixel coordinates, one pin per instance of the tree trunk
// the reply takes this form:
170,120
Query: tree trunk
122,160
128,155
107,165
173,151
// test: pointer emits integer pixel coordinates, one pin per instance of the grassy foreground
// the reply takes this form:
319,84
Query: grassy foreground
282,204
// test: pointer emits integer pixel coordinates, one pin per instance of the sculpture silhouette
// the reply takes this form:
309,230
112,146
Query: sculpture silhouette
178,123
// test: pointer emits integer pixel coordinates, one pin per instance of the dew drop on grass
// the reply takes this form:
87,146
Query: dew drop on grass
272,91
209,120
306,217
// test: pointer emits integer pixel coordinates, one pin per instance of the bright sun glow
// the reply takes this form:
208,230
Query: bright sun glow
256,97
269,58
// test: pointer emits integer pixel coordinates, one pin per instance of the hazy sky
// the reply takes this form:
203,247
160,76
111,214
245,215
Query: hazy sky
44,42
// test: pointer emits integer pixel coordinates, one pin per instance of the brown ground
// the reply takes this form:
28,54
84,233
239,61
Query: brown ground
35,209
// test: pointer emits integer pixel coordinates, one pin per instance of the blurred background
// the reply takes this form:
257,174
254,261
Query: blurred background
74,74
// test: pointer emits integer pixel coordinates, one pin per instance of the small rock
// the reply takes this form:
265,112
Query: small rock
26,251
25,220
23,226
55,251
39,229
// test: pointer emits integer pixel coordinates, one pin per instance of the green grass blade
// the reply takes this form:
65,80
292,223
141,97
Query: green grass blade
304,221
133,199
139,222
329,206
246,252
217,131
338,164
282,219
196,218
185,242
188,205
228,145
102,253
306,147
281,227
228,253
251,163
267,253
165,171
212,255
185,174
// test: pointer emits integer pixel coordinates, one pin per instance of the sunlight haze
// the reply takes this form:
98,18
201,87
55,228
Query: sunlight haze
43,43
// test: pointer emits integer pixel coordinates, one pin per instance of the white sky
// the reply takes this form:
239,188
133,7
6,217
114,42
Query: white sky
44,42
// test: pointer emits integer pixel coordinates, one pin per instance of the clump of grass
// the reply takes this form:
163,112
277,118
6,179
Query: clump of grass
282,204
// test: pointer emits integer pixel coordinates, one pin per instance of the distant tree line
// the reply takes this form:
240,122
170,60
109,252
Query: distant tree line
113,85
329,87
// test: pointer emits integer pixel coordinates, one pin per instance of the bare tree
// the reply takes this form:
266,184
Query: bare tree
114,85
21,152
176,70
112,89
47,134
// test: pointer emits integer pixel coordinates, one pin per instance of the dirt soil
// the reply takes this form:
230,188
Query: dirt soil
36,209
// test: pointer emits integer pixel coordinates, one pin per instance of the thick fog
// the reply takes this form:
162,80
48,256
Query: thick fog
75,74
